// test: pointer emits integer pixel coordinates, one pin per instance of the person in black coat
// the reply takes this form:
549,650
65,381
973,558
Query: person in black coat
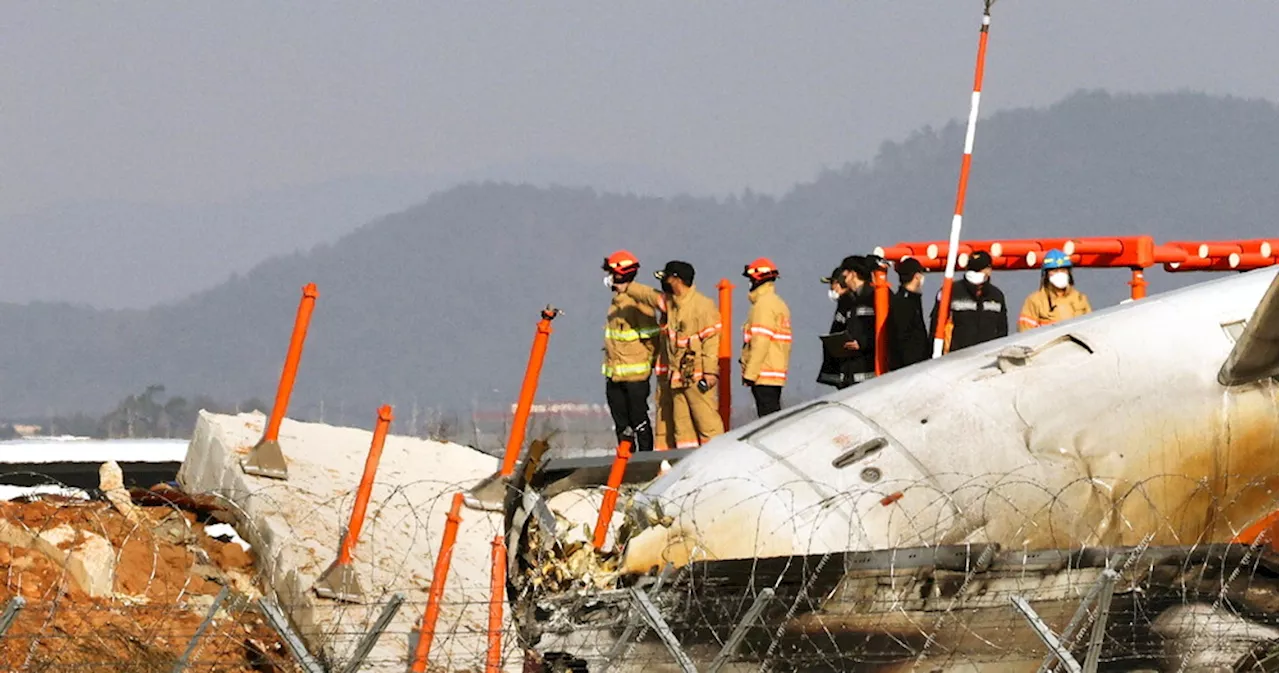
909,343
855,317
978,311
831,374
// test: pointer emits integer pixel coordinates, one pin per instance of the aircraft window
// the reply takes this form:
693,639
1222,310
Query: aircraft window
1234,330
831,425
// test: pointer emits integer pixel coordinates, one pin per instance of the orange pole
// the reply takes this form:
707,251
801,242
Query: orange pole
290,372
611,493
366,486
940,339
527,391
1208,250
497,594
1093,246
893,252
427,630
726,350
881,284
1139,285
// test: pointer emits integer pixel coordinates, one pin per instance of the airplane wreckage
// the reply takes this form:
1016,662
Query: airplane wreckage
1071,493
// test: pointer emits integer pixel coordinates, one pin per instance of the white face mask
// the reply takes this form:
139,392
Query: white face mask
833,295
1059,280
608,280
975,277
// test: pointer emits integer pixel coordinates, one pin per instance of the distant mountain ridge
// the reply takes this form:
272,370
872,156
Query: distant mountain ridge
436,304
114,254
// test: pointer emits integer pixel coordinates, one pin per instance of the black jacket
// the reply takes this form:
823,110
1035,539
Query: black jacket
978,314
854,316
909,343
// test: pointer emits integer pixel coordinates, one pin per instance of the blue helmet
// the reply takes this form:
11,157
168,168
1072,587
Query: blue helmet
1056,259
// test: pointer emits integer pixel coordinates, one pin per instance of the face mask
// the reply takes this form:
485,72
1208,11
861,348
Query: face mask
1060,280
608,280
666,287
975,277
833,295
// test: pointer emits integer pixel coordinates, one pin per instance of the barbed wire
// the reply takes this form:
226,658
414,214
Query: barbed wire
109,588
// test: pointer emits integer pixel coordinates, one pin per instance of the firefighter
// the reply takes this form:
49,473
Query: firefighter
1057,299
978,312
630,344
689,351
766,338
908,341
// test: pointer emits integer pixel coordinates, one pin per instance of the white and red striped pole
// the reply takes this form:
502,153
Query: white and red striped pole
953,248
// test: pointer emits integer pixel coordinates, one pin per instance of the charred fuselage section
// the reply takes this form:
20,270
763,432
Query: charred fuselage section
946,608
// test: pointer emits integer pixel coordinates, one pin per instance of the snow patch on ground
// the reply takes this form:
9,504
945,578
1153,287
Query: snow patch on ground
79,450
226,530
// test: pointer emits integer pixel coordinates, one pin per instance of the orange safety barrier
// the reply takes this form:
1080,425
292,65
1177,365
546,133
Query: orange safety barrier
1198,264
1170,253
528,389
894,253
497,595
382,426
1133,252
610,500
339,580
427,630
1096,246
291,360
726,350
1249,261
1015,248
1266,529
266,459
1138,283
880,281
998,263
1207,250
941,250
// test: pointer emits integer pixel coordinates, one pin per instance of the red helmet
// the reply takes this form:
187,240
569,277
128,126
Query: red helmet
621,263
762,268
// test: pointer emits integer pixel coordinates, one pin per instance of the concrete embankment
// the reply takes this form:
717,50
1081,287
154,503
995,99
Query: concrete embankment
295,527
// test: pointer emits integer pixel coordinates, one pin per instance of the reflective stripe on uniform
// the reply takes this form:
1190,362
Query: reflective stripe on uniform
765,331
771,377
964,305
630,334
626,370
709,331
1028,321
858,378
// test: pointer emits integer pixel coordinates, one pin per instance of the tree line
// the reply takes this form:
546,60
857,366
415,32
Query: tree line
149,413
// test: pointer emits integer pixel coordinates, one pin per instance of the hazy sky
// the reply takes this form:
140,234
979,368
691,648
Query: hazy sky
195,102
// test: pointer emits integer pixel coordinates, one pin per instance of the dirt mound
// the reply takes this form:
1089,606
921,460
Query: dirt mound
166,574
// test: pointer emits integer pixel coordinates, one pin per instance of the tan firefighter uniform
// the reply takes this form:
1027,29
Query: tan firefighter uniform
630,339
1043,308
766,338
664,437
689,349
